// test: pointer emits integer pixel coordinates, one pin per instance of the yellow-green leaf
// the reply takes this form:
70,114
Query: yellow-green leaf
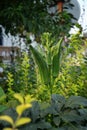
28,99
2,95
19,97
21,108
7,118
7,129
22,121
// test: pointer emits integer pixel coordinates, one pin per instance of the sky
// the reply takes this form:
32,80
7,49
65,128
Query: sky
83,15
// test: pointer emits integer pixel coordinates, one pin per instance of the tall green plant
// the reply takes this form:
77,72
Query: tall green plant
18,75
47,60
25,71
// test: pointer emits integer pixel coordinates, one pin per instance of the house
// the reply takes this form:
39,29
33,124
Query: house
8,52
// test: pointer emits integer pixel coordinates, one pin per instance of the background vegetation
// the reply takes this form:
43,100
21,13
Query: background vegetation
49,80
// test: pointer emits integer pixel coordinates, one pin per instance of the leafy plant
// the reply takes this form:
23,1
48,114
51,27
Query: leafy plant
20,76
2,100
47,59
19,110
73,74
10,82
60,114
24,69
33,16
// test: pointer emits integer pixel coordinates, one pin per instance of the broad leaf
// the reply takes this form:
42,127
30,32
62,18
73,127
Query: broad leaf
2,94
35,111
42,66
83,112
21,108
54,128
8,129
7,118
56,60
82,127
29,127
19,97
22,121
57,101
76,101
2,108
70,116
56,121
43,125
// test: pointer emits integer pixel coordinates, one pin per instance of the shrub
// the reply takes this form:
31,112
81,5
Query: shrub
14,124
59,114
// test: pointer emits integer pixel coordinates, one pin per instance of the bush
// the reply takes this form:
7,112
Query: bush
59,114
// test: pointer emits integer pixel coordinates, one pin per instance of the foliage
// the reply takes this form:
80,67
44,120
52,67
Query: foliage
47,59
2,100
19,110
73,77
24,78
10,82
33,16
2,95
61,113
66,75
20,76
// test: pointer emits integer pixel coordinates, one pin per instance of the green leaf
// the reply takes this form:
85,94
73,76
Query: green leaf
22,121
42,66
44,125
56,60
56,121
83,112
76,101
2,95
54,128
69,116
68,127
32,126
57,101
35,111
82,127
2,108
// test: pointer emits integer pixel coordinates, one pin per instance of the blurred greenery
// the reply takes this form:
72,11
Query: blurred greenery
33,16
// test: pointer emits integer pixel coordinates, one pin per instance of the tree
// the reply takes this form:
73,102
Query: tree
32,16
